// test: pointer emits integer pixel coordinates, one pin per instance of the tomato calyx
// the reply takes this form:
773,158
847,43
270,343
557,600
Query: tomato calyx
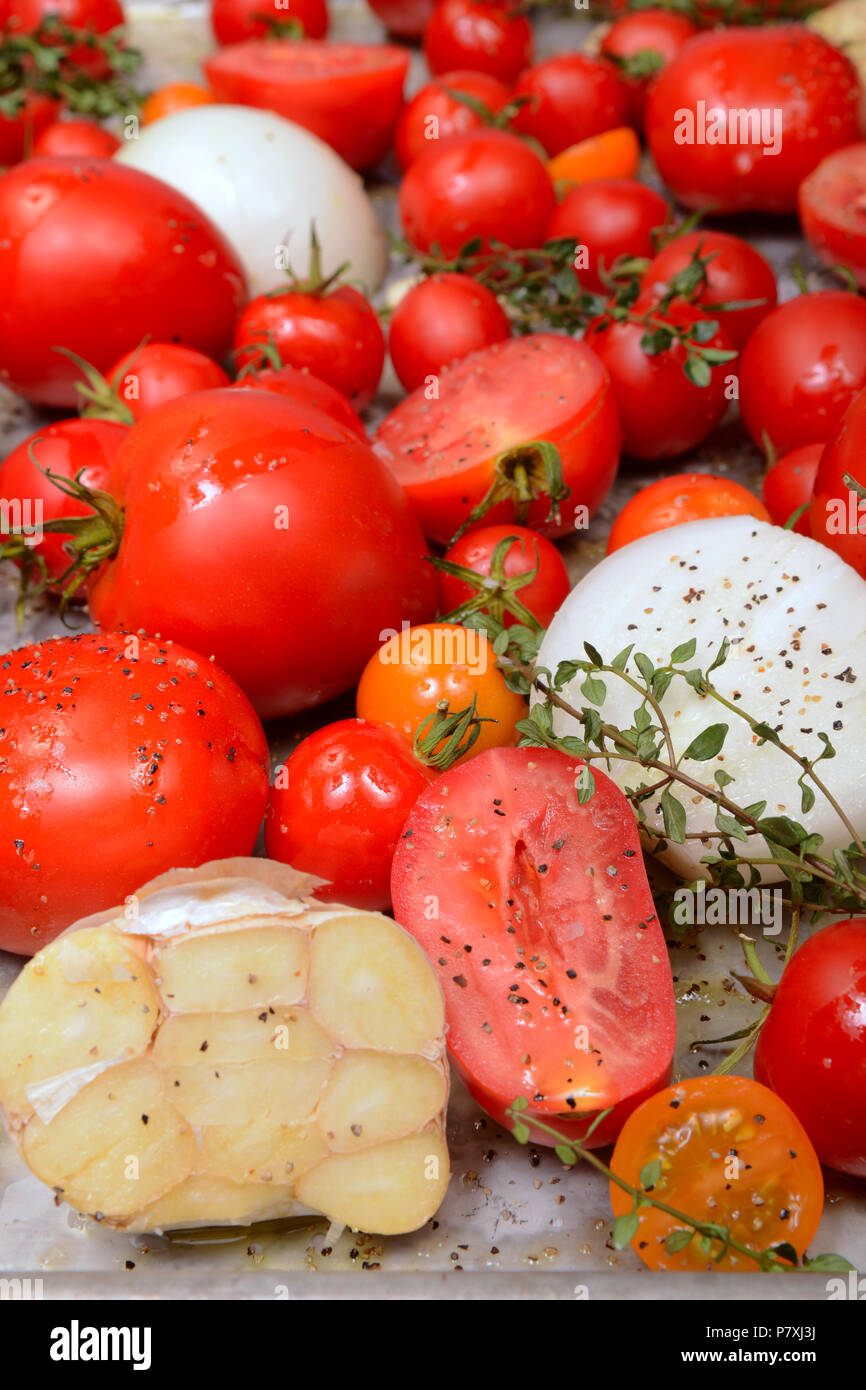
91,540
45,62
521,476
316,283
495,594
99,396
442,738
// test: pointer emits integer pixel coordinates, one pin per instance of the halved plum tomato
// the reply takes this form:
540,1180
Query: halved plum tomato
537,915
832,204
728,1152
348,94
482,432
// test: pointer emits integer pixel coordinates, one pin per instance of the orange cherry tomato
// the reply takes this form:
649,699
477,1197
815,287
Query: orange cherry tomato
682,497
177,96
613,155
411,672
731,1153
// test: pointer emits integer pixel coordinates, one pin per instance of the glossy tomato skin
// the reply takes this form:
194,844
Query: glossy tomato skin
802,368
487,184
678,499
480,35
571,97
223,534
661,411
176,96
812,1049
832,205
785,68
585,1019
83,139
305,388
155,373
350,95
406,18
433,114
441,320
836,516
66,448
18,133
734,271
789,485
646,39
147,262
233,21
474,551
336,336
541,387
120,758
609,218
338,806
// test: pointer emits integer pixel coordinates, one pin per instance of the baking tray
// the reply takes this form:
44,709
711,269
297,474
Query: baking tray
515,1223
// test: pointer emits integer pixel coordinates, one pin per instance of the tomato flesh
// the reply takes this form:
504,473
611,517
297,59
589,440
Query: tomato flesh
832,202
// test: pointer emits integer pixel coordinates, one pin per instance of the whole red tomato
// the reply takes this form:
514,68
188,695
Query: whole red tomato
570,97
406,18
265,534
487,184
154,373
838,512
83,139
504,554
20,130
723,269
740,116
338,806
802,368
640,45
120,758
146,262
475,34
233,21
832,202
436,112
442,319
812,1049
665,405
789,485
608,218
306,389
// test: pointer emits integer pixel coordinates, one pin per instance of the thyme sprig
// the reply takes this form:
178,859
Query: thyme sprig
44,63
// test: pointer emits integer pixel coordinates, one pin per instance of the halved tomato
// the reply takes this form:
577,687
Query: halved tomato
832,204
348,94
537,915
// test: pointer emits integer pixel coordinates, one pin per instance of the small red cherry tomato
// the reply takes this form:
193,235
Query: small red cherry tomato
731,272
233,21
640,45
480,35
155,373
303,386
571,97
529,551
608,218
436,111
789,485
441,320
84,138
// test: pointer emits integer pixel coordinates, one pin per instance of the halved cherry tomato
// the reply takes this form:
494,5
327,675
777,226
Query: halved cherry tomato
789,485
434,113
302,386
482,430
571,97
615,154
608,218
537,916
155,373
680,498
479,35
732,272
442,319
832,202
837,515
233,21
731,1154
640,45
348,94
177,96
338,806
416,668
542,596
83,138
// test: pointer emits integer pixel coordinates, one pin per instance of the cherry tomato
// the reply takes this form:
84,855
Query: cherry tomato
350,95
266,534
680,498
305,388
812,1048
88,16
543,595
662,411
441,320
487,184
800,94
832,202
556,978
233,21
148,262
730,1153
640,45
406,18
450,451
333,333
19,132
789,485
65,448
84,139
479,35
177,96
155,373
120,758
571,97
608,218
802,368
837,515
733,271
338,806
613,155
434,113
416,668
